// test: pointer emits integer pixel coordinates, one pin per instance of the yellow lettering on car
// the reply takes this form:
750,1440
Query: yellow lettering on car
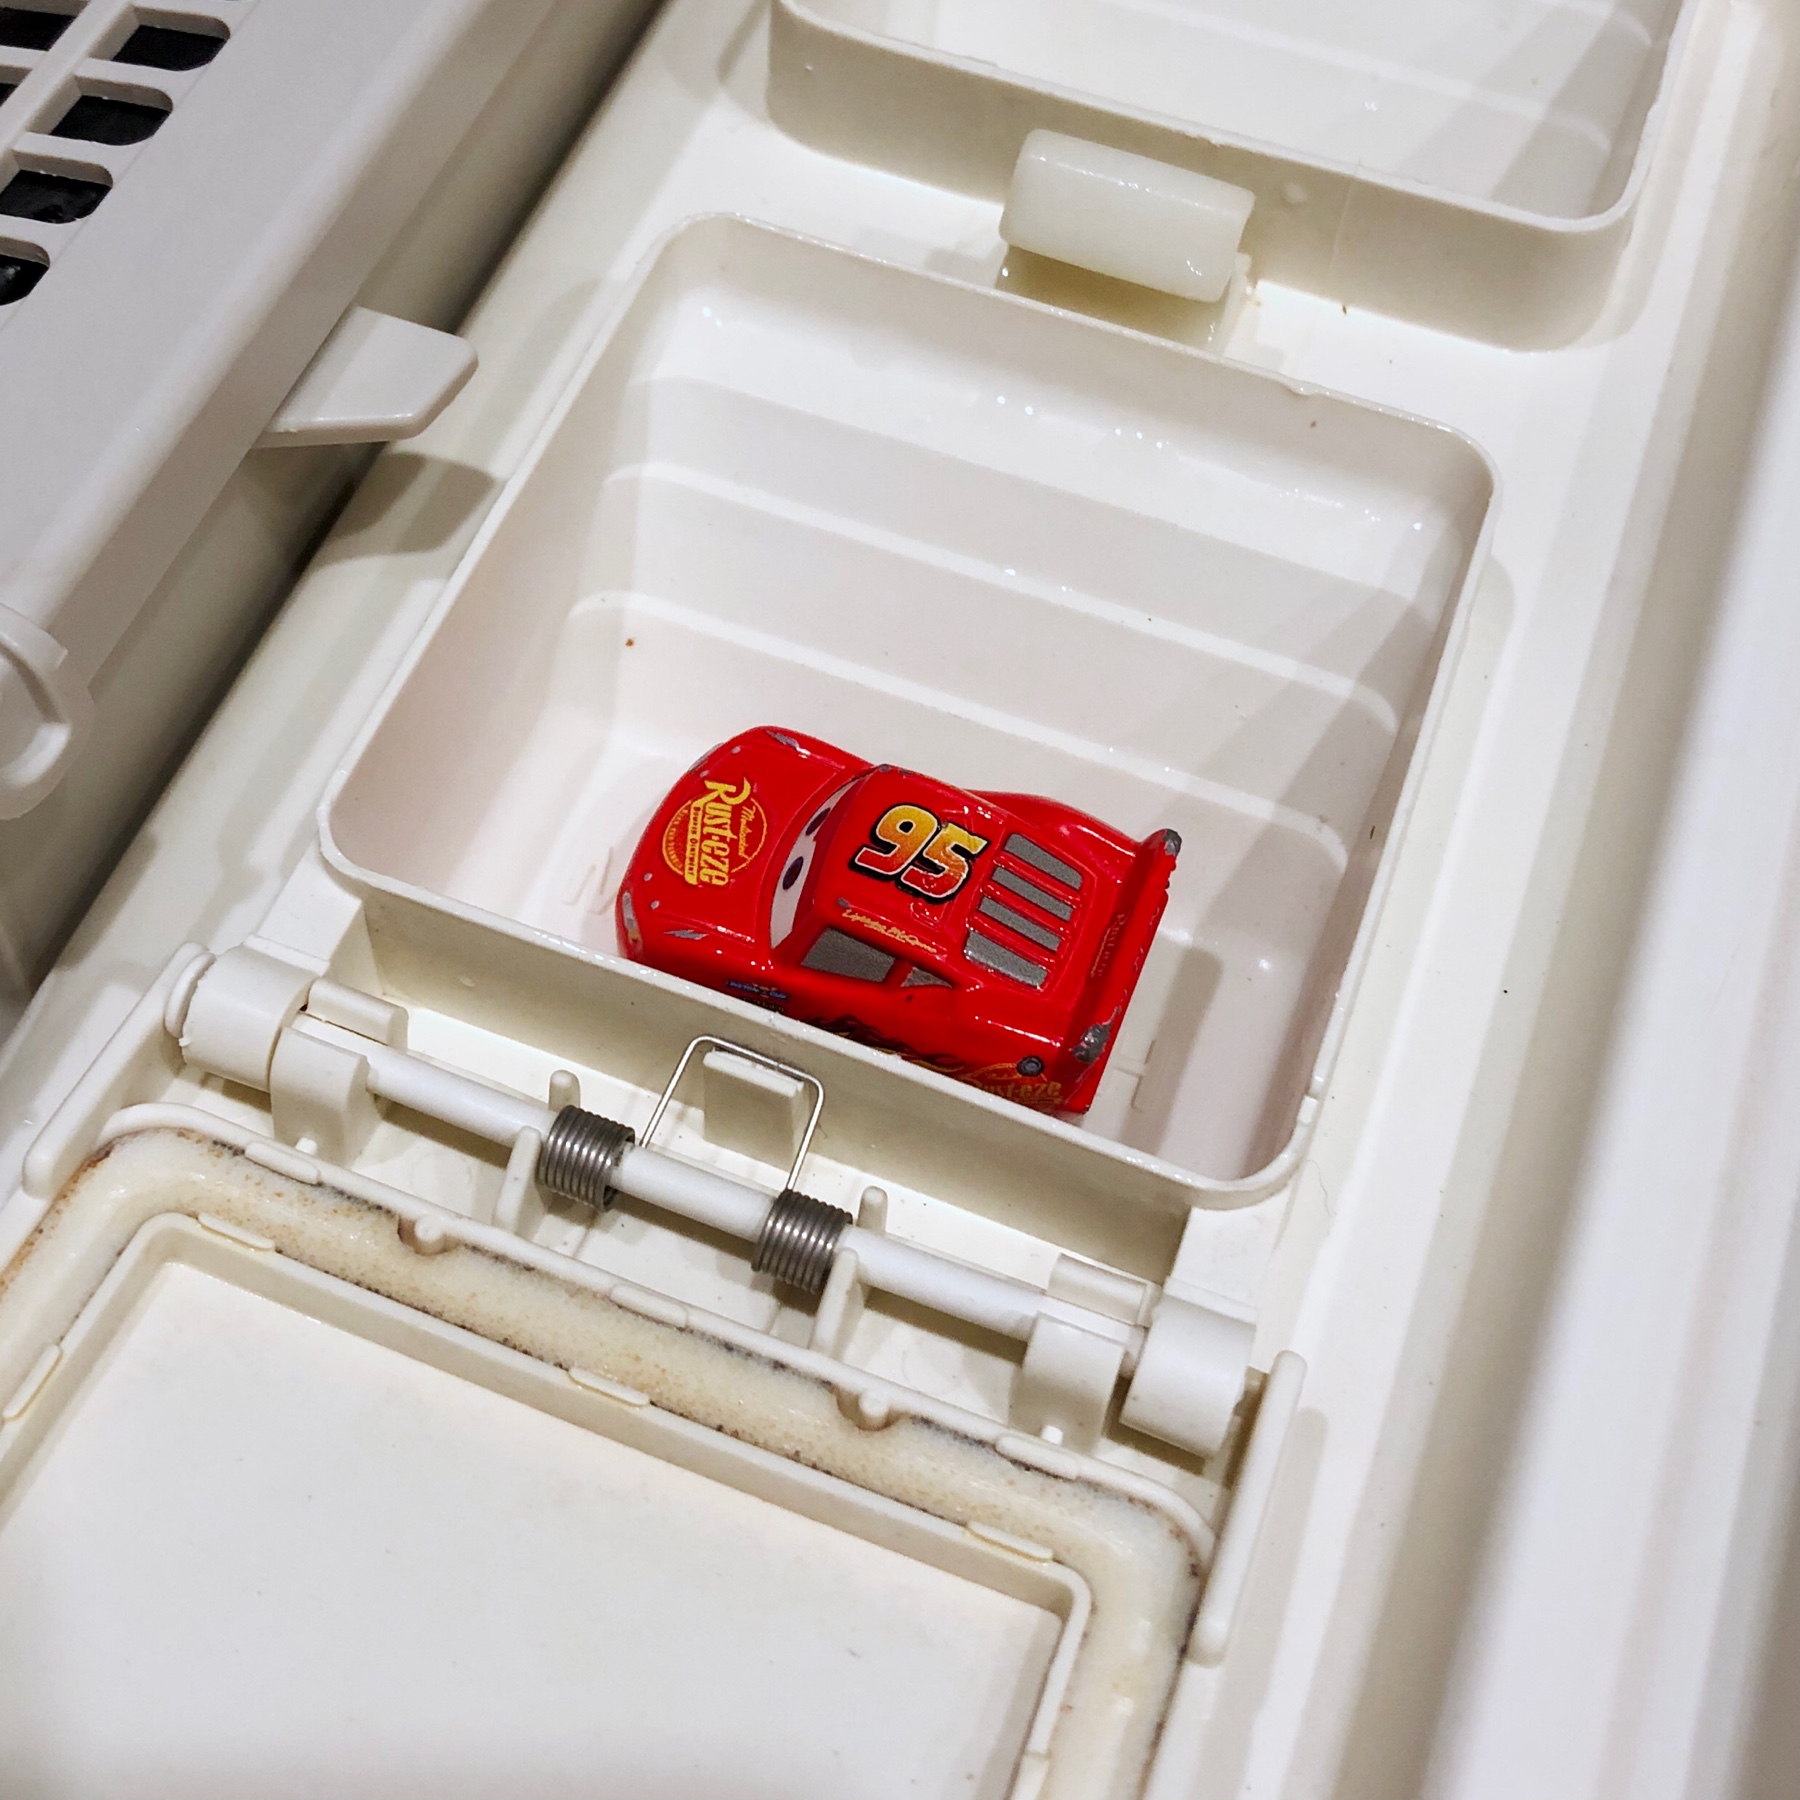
714,835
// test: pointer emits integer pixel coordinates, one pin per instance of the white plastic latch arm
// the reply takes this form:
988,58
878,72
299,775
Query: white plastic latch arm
376,378
1126,216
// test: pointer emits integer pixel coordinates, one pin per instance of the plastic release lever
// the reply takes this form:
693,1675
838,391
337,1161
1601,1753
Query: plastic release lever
376,378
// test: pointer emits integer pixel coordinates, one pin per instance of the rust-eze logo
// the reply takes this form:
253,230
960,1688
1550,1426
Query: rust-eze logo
1004,1079
715,834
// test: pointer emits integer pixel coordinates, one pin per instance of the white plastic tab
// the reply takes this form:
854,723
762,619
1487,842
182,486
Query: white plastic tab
519,1206
1190,1375
319,1097
1065,1384
613,1390
1105,1291
752,1108
840,1306
356,1011
376,378
1125,216
235,1234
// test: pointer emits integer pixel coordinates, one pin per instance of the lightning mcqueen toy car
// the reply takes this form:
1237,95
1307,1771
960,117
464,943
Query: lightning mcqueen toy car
995,937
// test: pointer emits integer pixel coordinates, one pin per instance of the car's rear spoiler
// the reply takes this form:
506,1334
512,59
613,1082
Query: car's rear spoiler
1127,940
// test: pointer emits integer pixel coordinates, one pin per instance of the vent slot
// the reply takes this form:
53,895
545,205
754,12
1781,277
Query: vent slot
166,47
18,276
95,119
50,199
25,28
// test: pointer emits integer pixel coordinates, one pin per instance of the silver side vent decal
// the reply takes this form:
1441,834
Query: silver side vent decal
1041,898
987,953
919,976
1041,859
1014,920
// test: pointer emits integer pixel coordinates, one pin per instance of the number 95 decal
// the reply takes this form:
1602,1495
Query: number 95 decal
917,849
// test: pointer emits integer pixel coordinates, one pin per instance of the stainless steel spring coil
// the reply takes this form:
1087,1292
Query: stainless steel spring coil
798,1239
581,1155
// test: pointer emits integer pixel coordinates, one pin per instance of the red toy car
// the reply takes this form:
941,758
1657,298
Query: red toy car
995,937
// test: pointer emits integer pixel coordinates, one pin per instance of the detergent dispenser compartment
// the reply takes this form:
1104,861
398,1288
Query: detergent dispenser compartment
1467,165
962,533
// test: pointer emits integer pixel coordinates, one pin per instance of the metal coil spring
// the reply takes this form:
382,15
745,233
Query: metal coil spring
581,1155
798,1240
